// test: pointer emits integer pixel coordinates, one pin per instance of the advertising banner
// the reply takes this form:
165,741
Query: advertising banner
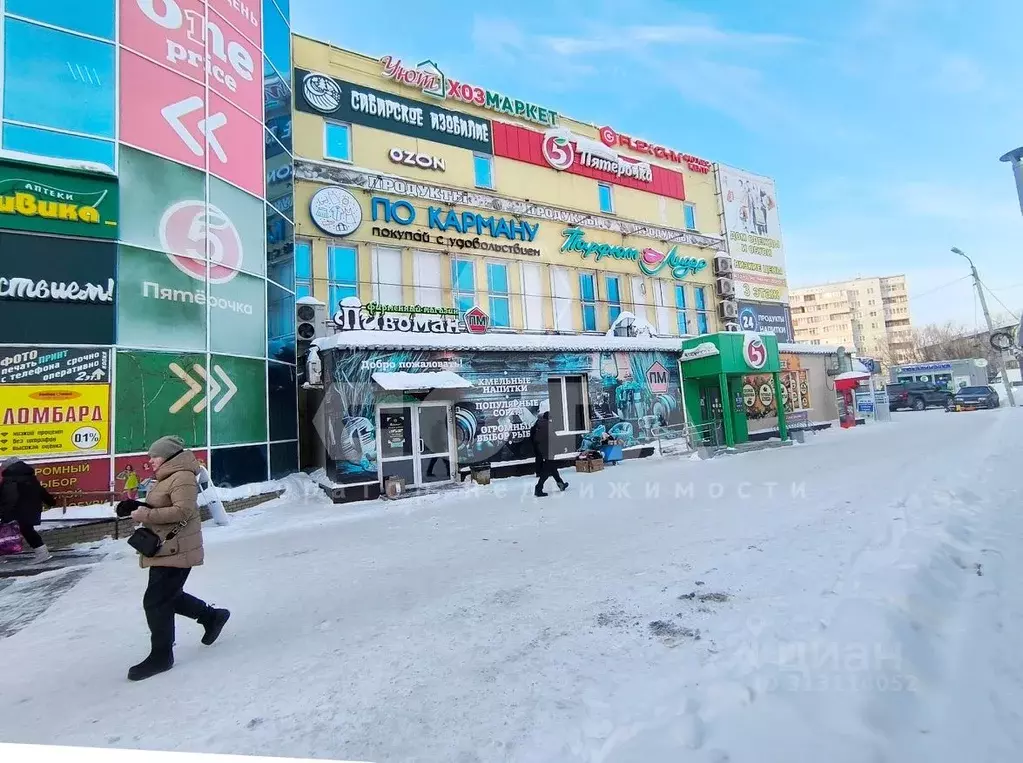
630,394
81,482
160,393
40,200
326,96
43,420
56,290
754,235
759,399
179,36
133,475
765,318
54,365
238,400
165,113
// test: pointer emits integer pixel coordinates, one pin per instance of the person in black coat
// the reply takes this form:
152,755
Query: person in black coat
540,436
22,499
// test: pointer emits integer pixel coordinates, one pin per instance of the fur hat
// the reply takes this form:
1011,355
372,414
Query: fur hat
166,447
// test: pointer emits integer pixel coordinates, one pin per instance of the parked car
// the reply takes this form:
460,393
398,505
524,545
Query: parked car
917,395
971,398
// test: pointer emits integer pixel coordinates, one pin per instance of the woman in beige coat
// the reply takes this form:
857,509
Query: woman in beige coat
171,511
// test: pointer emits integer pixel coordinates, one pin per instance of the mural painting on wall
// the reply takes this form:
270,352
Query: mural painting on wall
630,395
133,475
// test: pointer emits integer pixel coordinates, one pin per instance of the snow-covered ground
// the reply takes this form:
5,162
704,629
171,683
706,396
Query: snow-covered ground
853,599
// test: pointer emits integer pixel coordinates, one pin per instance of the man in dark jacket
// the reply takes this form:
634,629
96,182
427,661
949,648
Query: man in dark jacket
21,501
540,436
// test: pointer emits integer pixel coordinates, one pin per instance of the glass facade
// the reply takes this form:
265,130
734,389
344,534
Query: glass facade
205,270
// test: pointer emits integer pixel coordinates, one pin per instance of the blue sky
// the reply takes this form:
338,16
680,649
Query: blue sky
881,120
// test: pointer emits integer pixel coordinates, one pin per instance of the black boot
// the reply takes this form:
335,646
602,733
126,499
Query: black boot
562,486
158,661
539,493
213,621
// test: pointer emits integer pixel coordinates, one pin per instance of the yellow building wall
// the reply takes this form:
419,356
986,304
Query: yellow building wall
511,177
548,240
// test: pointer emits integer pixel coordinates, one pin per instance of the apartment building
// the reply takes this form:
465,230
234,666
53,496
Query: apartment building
868,314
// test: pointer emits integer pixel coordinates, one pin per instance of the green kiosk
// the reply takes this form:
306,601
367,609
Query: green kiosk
713,368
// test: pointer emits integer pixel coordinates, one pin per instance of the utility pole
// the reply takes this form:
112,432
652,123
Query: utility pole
990,328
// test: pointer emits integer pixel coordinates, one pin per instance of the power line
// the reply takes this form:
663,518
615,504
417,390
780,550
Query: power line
1004,306
938,288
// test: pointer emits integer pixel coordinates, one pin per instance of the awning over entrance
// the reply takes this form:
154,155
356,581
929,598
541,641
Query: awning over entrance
403,381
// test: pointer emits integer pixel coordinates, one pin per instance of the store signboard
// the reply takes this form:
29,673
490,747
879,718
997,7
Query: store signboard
613,139
56,290
765,318
134,476
179,35
43,420
356,178
649,261
165,113
352,315
244,15
54,365
40,200
754,235
326,96
81,482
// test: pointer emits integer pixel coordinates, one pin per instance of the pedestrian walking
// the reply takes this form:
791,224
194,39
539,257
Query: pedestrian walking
22,498
540,436
171,512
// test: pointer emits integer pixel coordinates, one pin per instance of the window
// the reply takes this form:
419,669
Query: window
568,399
483,166
62,80
303,268
426,267
680,304
607,202
276,38
561,294
343,272
588,299
613,289
690,212
702,321
463,284
532,296
337,141
500,301
60,145
387,276
95,17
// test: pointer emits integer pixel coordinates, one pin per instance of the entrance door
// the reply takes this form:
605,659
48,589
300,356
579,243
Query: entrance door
415,443
434,443
712,412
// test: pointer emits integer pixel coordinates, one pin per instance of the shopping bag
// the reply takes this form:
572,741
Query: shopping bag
10,539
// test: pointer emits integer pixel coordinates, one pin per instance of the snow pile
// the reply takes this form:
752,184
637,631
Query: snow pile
844,601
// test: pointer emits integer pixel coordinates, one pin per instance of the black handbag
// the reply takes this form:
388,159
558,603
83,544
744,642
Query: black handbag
148,543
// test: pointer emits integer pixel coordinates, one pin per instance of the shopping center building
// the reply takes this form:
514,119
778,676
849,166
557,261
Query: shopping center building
479,255
146,238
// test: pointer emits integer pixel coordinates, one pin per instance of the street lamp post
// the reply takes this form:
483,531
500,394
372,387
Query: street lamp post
987,319
1015,158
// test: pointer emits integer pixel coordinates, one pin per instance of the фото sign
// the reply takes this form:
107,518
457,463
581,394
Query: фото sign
765,318
754,236
613,139
54,419
427,77
327,96
53,365
56,290
165,113
651,262
39,200
355,178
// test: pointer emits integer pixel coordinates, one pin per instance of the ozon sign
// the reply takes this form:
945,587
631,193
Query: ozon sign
613,139
179,35
754,352
416,159
190,229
